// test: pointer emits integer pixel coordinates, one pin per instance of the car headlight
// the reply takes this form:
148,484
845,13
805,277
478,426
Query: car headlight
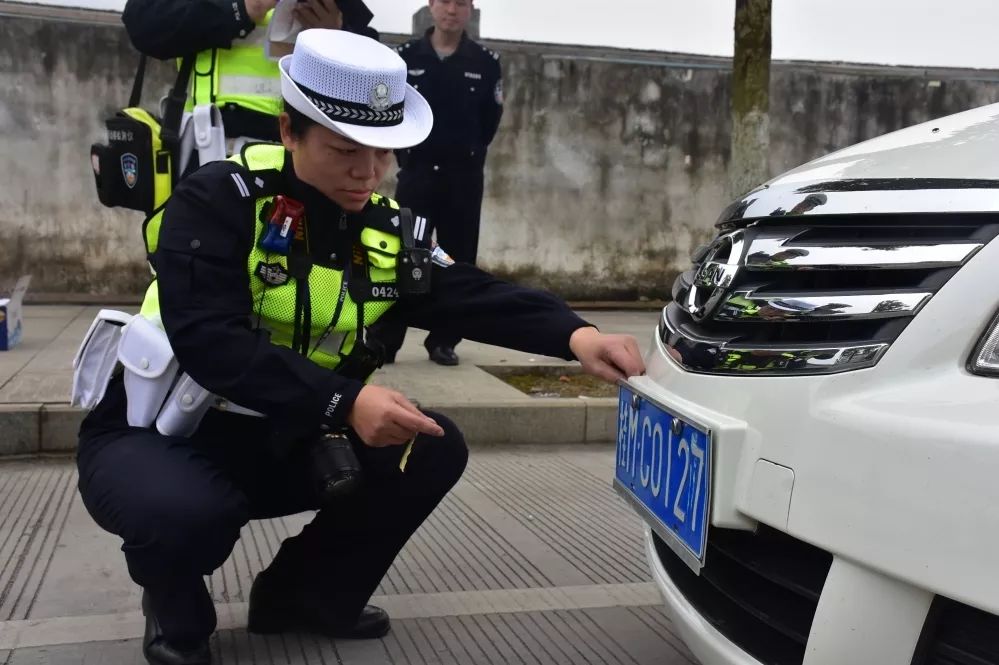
985,359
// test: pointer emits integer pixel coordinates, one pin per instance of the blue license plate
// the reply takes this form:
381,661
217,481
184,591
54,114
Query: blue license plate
664,471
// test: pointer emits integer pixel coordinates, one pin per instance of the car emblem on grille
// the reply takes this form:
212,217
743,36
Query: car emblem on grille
715,275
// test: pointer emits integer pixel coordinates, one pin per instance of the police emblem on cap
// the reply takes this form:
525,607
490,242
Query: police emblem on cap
130,169
380,99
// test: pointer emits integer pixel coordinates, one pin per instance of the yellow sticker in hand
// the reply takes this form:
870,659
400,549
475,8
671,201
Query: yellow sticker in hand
405,455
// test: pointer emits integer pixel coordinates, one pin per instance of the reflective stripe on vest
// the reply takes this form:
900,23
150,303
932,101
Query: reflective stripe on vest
274,306
241,75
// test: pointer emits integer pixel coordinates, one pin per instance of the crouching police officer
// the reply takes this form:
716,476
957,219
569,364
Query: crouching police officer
270,267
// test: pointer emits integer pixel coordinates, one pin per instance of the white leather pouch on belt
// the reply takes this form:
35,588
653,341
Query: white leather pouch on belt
209,133
97,358
186,151
184,408
150,369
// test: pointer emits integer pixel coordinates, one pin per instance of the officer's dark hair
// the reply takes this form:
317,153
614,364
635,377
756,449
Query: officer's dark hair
300,123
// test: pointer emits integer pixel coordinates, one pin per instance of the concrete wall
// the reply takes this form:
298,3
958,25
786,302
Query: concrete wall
59,78
608,170
621,158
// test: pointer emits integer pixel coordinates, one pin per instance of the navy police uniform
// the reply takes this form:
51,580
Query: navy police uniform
442,178
179,503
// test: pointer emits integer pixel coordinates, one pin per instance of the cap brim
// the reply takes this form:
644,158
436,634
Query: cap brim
414,129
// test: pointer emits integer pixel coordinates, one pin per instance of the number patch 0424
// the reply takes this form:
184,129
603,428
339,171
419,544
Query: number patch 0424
384,292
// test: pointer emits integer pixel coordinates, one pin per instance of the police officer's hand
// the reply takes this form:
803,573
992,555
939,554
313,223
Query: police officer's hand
319,14
609,357
383,417
257,9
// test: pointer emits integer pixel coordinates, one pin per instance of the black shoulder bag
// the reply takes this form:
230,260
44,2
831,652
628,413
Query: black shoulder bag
135,169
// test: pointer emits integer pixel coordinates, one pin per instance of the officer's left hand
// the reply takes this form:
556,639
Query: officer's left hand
319,14
609,357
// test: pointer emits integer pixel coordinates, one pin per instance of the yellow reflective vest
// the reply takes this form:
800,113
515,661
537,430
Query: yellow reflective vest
241,75
330,299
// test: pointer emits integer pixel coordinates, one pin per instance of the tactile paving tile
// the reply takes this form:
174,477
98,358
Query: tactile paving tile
573,511
456,549
34,502
602,636
459,550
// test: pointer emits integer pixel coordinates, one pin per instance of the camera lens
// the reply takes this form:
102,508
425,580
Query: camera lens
336,471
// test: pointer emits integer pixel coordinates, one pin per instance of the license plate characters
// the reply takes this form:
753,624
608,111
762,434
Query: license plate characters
664,471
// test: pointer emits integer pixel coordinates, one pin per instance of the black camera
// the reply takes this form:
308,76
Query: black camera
413,265
336,471
413,271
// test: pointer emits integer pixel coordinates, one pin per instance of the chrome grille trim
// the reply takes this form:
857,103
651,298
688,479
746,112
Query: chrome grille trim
749,305
813,296
783,254
729,357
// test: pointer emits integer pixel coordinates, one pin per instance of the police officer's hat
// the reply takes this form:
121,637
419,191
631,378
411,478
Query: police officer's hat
356,87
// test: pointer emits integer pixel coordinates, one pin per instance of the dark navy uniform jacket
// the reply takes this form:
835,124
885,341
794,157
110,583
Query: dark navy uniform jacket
205,301
465,91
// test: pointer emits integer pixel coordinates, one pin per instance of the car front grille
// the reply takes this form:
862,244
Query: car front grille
956,634
813,295
759,590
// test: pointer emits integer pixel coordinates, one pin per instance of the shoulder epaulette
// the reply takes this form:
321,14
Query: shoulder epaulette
493,54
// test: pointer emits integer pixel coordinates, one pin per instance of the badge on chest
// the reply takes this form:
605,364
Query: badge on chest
273,274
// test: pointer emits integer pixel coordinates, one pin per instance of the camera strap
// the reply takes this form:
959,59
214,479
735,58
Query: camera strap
300,267
344,280
406,228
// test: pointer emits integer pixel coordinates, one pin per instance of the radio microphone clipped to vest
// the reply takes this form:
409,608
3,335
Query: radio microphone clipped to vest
283,220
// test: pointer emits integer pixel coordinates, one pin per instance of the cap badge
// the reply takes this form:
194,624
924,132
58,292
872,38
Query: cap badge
380,99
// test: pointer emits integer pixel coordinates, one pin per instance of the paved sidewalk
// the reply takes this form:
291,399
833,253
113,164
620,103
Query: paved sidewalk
35,379
531,559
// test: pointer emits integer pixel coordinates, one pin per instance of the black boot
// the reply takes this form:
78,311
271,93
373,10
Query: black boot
278,605
158,651
444,355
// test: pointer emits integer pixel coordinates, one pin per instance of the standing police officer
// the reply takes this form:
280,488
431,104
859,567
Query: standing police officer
270,267
442,178
227,39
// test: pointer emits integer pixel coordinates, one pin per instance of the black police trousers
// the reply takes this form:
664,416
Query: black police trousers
179,504
451,200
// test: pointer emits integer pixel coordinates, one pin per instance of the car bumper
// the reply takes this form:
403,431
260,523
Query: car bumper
703,640
891,470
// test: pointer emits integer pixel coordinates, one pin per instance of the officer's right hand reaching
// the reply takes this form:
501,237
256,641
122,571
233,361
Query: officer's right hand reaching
384,417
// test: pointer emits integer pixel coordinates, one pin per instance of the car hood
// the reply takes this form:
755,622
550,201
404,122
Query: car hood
946,165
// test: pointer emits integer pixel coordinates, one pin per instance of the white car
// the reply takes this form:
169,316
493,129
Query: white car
815,445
